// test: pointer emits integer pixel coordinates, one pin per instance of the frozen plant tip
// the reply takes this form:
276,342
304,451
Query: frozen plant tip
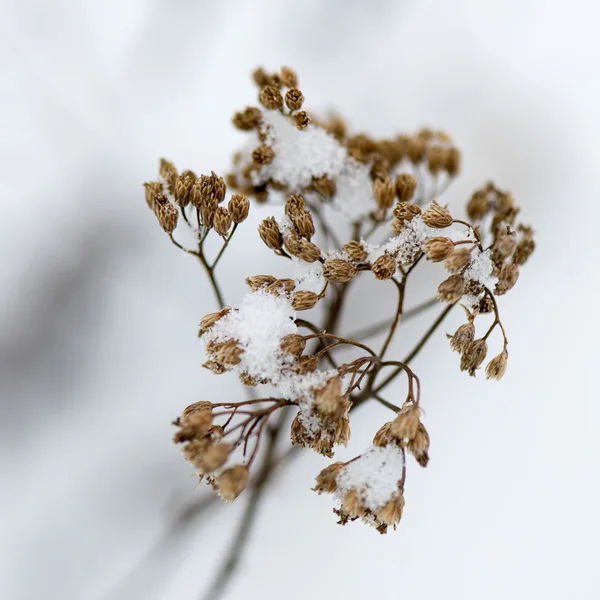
335,206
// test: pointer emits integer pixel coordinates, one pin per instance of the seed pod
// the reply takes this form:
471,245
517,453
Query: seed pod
338,270
305,364
406,211
301,119
288,77
325,481
451,162
166,213
341,433
355,251
419,445
260,77
281,286
210,319
390,513
384,267
524,250
384,191
508,278
238,206
293,344
437,216
473,355
324,186
303,222
463,337
270,97
232,482
304,300
504,245
451,289
151,190
222,221
256,282
458,260
294,99
478,206
438,248
436,156
406,185
183,189
383,436
270,234
294,204
211,188
213,457
248,119
225,353
404,426
208,210
263,155
168,172
497,366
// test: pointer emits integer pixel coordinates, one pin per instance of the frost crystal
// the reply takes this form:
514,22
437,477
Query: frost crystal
481,267
374,475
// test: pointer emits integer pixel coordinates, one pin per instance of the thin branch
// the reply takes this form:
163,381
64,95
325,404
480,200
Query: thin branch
397,317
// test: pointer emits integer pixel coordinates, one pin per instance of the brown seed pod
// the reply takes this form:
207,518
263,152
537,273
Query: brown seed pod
355,251
338,270
222,221
438,248
458,260
304,300
247,119
437,216
473,355
263,155
270,97
294,99
238,206
384,267
270,234
301,119
232,482
451,289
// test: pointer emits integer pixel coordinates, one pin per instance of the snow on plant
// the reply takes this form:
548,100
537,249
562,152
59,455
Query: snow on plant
321,180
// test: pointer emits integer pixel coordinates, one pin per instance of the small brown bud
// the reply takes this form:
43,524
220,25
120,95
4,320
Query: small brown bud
509,273
451,289
260,77
380,168
438,248
328,399
183,189
385,266
263,155
151,190
497,366
478,206
232,482
168,172
298,434
225,353
504,244
208,211
452,161
406,185
211,187
325,481
238,206
351,505
270,234
304,300
301,119
384,191
212,458
404,426
197,407
303,222
463,337
247,119
294,99
341,434
301,248
398,225
524,250
436,156
270,97
473,355
459,259
384,435
293,344
256,282
166,213
210,319
419,445
416,149
222,221
338,270
281,286
305,364
288,77
355,251
437,216
406,211
324,186
391,512
293,205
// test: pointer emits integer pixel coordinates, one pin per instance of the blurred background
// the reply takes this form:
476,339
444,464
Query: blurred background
98,312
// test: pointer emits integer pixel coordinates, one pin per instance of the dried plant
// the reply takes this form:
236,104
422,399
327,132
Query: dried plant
320,180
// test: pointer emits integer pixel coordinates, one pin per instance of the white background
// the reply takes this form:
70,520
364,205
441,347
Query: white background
98,312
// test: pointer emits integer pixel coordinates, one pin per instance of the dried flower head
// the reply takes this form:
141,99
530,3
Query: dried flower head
438,248
338,270
497,366
451,289
232,482
473,355
270,97
437,216
406,186
384,267
270,234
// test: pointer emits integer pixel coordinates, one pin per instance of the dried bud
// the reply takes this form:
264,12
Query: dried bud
452,161
232,482
288,77
270,97
260,77
222,221
281,286
459,259
355,251
384,267
384,191
294,204
225,353
404,426
416,149
210,319
328,399
247,119
301,119
338,270
486,305
497,366
304,300
406,211
451,289
384,436
168,172
508,277
202,406
398,225
270,234
419,445
303,222
211,188
165,212
263,155
238,206
302,249
325,481
215,367
341,434
211,458
193,426
436,156
352,506
473,355
294,99
504,244
524,250
256,282
183,189
324,186
438,248
437,216
478,206
391,512
293,344
305,364
406,185
208,211
463,337
151,190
